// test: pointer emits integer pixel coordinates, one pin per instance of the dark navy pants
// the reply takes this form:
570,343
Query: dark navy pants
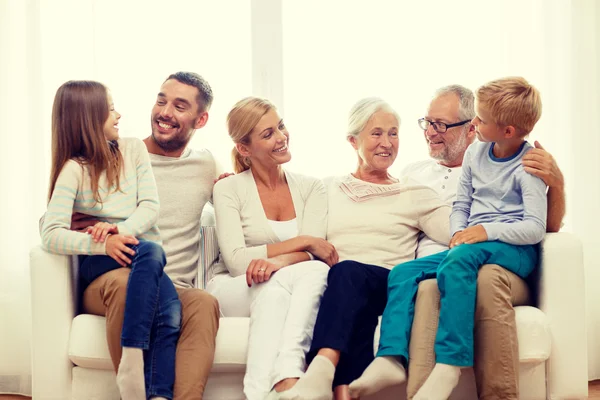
355,297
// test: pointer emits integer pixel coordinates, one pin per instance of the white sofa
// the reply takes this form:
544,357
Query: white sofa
70,358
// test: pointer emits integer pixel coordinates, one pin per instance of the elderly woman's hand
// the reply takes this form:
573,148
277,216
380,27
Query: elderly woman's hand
323,250
540,163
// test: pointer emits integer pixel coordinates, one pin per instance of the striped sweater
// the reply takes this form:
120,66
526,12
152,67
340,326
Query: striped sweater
134,209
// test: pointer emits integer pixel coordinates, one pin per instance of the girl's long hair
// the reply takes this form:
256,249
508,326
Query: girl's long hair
79,113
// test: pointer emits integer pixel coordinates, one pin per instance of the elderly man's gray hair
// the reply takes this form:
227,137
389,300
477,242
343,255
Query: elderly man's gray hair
466,98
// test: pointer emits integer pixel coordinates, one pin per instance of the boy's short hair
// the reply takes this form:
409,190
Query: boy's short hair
512,101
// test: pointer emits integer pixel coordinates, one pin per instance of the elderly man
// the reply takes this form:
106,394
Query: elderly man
448,132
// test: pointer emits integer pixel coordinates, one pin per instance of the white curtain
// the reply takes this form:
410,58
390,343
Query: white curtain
326,55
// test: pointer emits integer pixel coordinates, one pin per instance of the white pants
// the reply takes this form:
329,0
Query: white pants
282,313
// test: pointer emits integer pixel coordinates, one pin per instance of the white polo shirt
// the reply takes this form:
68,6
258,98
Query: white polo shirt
444,181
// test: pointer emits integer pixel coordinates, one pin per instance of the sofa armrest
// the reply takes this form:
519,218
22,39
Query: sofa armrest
53,307
562,299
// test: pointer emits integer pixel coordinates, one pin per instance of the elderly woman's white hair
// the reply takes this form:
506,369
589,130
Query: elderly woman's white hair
363,110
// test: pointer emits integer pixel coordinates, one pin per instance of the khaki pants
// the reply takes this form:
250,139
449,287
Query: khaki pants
199,324
496,348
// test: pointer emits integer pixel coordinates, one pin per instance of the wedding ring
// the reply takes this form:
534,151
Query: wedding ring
261,269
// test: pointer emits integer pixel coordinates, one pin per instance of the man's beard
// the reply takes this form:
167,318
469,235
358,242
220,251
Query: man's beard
173,144
450,154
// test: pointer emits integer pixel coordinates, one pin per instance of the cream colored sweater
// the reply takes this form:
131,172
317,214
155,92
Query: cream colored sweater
380,224
243,230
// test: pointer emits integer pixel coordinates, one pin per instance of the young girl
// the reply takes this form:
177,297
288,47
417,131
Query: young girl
96,173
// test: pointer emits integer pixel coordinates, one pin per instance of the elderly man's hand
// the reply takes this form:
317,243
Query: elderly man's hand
540,163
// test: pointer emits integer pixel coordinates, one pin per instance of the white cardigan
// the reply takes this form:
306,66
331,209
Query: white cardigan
243,230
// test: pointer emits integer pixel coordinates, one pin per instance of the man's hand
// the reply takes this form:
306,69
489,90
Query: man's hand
81,222
261,270
540,163
116,248
473,234
101,230
323,250
223,176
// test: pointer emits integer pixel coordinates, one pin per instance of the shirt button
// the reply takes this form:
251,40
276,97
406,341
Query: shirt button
446,177
449,170
444,187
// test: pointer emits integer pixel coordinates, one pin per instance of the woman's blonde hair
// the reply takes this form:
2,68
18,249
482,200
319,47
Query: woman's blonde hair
79,113
241,120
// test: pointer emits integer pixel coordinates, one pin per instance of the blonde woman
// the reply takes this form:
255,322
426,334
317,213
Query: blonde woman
271,225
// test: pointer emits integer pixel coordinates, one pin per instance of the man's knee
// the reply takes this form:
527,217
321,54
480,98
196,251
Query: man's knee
493,291
198,305
115,285
428,293
108,290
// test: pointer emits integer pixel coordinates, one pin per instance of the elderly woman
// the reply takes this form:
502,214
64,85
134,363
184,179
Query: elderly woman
374,223
271,224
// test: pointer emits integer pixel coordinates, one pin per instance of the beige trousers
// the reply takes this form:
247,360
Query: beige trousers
496,348
199,324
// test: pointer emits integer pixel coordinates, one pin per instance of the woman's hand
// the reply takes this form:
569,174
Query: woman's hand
323,250
101,230
260,271
473,234
116,248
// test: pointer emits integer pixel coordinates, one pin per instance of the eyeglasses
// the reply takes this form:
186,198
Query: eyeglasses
439,127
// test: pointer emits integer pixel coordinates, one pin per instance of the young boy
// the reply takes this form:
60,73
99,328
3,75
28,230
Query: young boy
499,217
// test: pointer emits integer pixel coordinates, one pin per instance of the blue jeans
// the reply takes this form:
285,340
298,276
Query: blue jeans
152,312
456,271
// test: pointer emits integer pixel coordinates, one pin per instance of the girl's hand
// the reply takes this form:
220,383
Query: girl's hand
473,234
116,248
261,270
100,230
323,250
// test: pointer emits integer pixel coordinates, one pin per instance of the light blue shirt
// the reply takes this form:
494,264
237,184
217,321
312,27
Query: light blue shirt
498,194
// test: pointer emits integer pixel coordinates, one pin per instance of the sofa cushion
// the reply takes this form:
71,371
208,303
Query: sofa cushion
533,333
88,347
87,343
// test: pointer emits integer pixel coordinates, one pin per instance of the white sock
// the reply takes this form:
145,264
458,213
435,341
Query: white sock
381,373
442,380
158,398
130,377
315,384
